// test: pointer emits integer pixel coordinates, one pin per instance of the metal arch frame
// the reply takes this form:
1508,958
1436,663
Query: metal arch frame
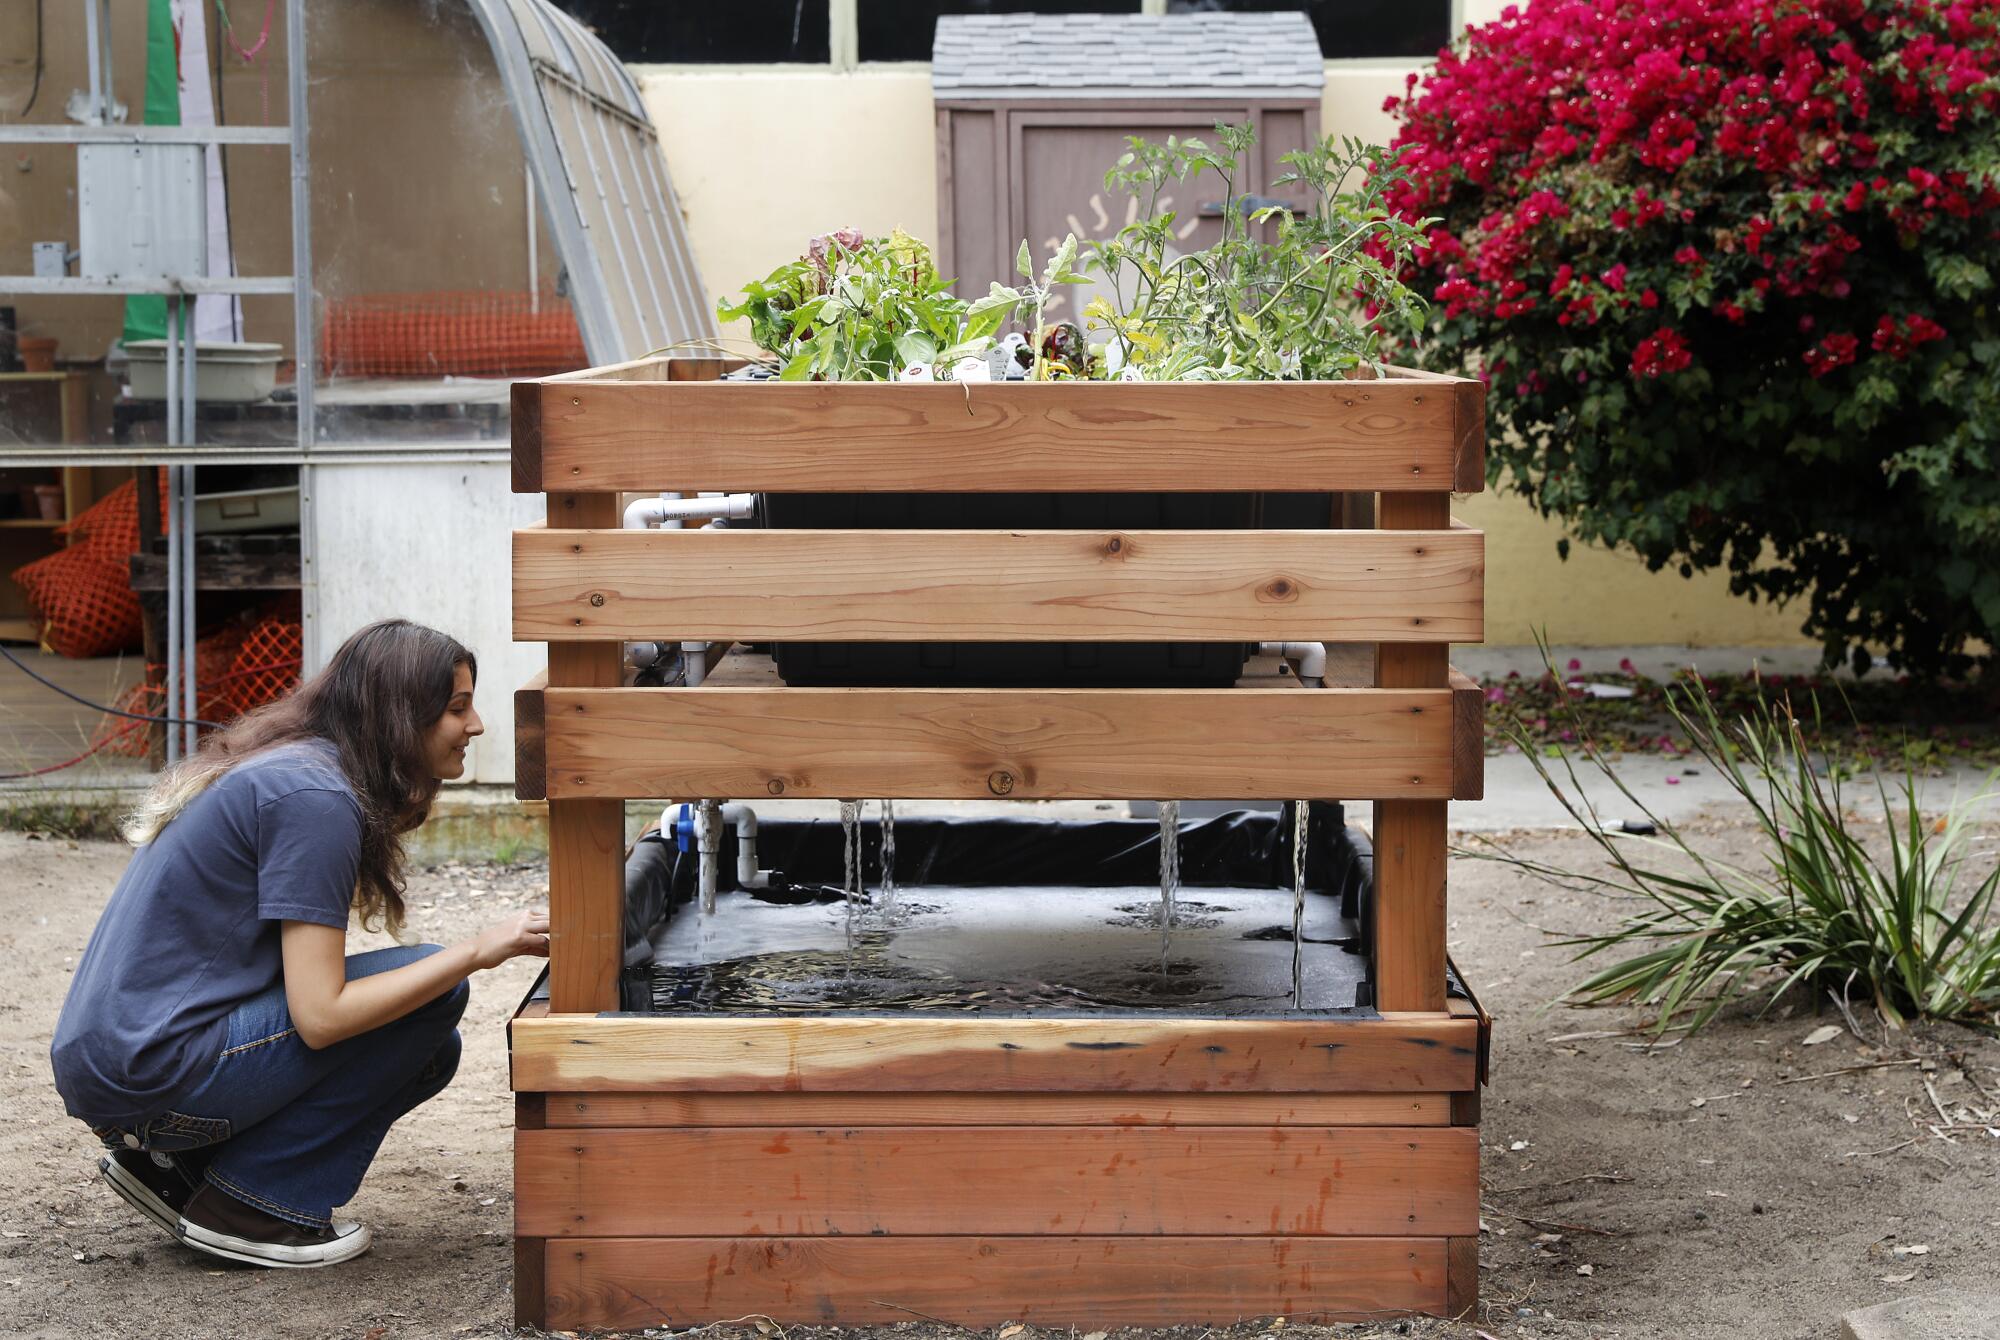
589,294
666,287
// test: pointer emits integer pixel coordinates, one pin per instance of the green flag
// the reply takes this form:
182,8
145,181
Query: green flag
146,313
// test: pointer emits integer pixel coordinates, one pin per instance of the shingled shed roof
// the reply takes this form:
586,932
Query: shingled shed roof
986,56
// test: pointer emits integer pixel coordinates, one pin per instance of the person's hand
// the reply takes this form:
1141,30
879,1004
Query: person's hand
523,933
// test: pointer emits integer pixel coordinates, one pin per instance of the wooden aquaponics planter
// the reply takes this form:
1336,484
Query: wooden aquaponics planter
1088,1171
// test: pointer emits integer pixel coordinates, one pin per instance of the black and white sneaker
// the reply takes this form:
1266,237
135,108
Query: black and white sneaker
221,1225
156,1185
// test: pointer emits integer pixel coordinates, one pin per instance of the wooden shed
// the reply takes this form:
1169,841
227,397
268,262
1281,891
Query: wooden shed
1032,109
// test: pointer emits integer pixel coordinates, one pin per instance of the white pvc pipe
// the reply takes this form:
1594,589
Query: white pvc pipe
1311,657
709,820
642,513
667,510
747,874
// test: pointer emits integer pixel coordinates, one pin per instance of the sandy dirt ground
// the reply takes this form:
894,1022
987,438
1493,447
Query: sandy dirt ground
1727,1186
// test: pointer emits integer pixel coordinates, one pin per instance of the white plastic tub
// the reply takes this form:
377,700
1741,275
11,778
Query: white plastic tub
225,373
246,510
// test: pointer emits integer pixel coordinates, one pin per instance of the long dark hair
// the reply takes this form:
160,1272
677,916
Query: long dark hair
375,701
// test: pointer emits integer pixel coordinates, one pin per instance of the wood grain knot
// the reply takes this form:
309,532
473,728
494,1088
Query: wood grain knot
776,786
1114,545
1281,589
1000,782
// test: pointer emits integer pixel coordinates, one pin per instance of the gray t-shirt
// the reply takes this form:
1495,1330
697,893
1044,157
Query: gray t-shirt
192,930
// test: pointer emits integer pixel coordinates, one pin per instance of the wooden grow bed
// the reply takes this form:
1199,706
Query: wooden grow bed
1096,1171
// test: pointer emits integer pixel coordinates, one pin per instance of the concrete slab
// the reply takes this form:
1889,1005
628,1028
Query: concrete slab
1657,661
1949,1314
1673,789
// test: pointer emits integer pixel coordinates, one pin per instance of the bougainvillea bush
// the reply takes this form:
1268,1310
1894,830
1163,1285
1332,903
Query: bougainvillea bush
1729,268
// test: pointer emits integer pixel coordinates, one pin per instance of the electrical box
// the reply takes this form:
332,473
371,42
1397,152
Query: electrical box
142,210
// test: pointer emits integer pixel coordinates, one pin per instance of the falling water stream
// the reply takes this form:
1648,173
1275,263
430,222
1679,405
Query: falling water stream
1300,813
888,857
1170,871
850,832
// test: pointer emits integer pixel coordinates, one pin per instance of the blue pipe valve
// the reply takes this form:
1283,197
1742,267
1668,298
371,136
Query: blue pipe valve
684,828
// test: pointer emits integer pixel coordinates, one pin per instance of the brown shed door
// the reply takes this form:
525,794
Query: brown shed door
1038,173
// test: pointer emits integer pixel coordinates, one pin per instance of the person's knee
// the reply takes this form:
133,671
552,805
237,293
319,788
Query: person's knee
443,1063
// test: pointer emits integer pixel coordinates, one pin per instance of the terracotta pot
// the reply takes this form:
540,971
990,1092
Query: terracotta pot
38,353
49,498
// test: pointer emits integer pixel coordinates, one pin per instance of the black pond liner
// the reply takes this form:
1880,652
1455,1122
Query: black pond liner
1007,916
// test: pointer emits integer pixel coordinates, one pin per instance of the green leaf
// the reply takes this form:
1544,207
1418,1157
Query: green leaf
1024,261
985,317
914,346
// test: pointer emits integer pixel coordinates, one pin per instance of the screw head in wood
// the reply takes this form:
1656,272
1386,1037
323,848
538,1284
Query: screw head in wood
597,598
1000,782
776,786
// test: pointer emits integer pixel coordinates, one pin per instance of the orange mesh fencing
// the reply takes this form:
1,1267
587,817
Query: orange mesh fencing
450,334
237,669
109,527
266,665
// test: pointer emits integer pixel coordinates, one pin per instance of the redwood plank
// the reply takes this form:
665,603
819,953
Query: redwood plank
1468,738
1170,1110
525,430
914,1180
1389,434
531,1301
1225,744
1461,1283
531,746
1409,833
631,1283
1018,586
1430,1053
586,835
1409,904
1468,474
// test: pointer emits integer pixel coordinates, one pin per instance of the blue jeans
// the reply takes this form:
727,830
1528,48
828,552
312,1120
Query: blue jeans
291,1130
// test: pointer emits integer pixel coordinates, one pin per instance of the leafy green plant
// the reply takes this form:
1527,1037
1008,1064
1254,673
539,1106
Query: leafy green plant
853,308
1908,928
991,313
1313,300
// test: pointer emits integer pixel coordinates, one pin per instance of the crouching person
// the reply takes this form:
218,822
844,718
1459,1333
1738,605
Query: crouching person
240,1067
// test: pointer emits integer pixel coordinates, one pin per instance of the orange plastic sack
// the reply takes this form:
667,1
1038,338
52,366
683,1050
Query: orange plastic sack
85,602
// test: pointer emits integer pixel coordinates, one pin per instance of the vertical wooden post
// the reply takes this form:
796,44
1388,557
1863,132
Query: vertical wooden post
1410,834
586,837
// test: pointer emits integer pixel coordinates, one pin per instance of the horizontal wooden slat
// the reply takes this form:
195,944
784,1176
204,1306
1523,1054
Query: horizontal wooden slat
834,1181
1468,737
1176,437
1195,744
1000,586
531,757
979,1282
1123,1110
1411,1052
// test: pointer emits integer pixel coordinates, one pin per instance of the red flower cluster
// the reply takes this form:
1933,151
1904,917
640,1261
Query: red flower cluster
1661,352
1897,338
1835,351
1713,166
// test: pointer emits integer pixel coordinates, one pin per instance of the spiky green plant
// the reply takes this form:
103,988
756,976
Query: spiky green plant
1905,924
